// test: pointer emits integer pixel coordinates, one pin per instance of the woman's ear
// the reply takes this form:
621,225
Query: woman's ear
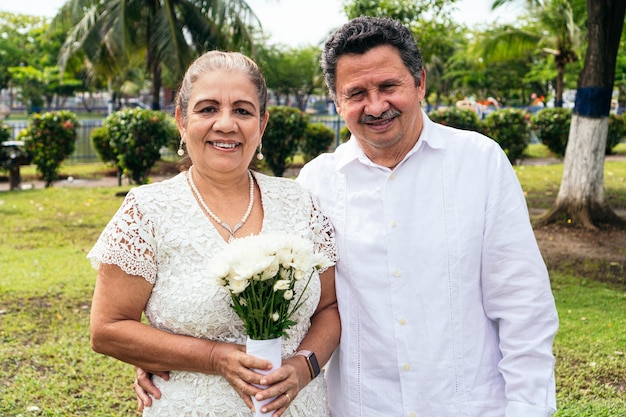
178,115
266,117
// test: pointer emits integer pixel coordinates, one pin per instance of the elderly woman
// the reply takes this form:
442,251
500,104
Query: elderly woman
155,257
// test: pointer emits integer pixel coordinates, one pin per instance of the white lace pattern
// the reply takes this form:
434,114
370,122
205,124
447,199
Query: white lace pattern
161,234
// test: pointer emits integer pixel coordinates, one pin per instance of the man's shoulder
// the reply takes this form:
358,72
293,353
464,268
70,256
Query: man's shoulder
462,141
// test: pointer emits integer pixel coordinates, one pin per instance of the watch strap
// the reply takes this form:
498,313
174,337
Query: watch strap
311,361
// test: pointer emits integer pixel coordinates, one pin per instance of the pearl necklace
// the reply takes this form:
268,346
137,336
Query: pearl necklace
208,211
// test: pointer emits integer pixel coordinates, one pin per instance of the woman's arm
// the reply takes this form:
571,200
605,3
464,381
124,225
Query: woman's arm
116,330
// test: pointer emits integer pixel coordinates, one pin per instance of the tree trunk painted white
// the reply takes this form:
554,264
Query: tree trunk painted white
583,167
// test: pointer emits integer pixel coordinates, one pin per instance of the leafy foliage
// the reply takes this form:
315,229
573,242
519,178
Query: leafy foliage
113,35
511,129
291,73
102,144
617,132
136,137
552,128
344,134
317,139
285,128
49,139
458,118
5,132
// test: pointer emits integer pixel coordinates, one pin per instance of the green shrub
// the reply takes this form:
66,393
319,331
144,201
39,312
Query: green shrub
285,128
317,139
459,118
5,132
49,139
511,129
552,128
617,132
344,134
136,137
102,144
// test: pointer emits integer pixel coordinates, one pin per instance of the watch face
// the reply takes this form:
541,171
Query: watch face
315,366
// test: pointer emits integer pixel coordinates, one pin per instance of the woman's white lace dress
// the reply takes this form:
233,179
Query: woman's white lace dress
161,233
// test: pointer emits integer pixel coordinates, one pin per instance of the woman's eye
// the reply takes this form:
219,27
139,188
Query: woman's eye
209,109
242,112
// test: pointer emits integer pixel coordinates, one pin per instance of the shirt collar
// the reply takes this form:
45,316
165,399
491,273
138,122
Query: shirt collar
351,152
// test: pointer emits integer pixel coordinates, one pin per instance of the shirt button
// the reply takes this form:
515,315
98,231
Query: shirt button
397,273
402,322
394,223
392,176
406,367
412,415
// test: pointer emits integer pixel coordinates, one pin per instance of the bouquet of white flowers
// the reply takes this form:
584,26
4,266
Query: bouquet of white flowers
260,272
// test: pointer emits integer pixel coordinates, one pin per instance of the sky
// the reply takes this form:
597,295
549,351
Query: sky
298,23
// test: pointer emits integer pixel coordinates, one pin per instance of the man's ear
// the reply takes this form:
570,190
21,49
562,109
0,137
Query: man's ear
337,107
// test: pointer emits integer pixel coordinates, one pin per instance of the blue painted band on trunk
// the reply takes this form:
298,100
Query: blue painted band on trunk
593,101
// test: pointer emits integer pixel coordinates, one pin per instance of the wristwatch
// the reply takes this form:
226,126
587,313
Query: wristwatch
311,361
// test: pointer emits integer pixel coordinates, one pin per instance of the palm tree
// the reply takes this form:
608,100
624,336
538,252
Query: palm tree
164,33
556,32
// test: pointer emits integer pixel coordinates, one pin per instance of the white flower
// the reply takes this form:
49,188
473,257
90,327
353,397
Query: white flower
281,284
271,270
298,274
321,261
285,273
254,268
236,286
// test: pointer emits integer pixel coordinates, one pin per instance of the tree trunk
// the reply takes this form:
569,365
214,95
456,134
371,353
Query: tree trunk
560,75
156,87
580,201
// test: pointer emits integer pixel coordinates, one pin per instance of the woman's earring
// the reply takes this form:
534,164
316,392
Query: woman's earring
259,155
180,150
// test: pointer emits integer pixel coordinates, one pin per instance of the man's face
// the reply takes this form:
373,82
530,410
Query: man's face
378,99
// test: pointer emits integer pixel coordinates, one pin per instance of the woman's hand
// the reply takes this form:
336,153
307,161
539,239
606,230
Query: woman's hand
285,383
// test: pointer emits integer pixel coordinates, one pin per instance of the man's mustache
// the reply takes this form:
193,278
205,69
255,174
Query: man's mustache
386,115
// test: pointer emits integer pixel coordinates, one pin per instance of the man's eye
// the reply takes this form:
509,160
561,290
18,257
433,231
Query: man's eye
356,95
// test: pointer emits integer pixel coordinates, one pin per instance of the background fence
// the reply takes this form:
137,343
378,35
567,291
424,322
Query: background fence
85,152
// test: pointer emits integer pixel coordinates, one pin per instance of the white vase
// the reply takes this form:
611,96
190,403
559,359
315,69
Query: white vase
270,350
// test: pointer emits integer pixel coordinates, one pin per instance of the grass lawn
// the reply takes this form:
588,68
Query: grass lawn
46,285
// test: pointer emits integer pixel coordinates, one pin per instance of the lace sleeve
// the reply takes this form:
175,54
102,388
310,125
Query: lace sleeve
323,233
128,241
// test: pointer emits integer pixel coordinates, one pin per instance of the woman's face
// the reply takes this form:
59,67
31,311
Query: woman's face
224,125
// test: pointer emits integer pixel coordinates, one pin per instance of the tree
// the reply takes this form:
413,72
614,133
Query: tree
293,72
164,33
283,133
556,32
437,35
580,200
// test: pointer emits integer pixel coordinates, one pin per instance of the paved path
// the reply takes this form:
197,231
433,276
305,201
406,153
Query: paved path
112,181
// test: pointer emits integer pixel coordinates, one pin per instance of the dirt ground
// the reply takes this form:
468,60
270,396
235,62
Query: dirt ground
599,255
